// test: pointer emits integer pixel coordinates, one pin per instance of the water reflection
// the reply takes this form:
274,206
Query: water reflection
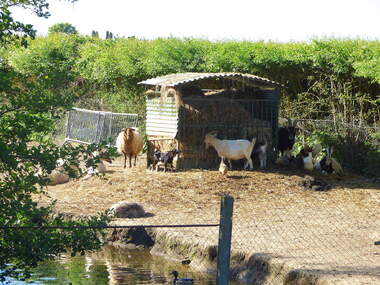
140,267
113,265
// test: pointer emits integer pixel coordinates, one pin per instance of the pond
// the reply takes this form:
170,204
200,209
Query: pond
113,265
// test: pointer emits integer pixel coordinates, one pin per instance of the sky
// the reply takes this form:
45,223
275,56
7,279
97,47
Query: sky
253,20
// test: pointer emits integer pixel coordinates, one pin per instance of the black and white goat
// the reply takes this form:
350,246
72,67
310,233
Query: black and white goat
305,158
156,158
164,159
328,164
287,138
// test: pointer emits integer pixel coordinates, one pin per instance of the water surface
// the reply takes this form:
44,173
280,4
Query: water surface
113,265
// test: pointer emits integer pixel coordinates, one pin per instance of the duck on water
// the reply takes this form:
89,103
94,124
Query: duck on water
177,280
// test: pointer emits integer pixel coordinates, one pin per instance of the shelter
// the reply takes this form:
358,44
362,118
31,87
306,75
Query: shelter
183,107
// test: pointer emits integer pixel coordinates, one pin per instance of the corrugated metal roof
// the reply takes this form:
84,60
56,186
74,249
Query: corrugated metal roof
178,79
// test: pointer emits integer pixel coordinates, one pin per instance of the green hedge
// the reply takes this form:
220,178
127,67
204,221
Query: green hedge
337,79
111,68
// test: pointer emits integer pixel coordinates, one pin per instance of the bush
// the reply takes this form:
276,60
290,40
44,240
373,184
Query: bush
325,79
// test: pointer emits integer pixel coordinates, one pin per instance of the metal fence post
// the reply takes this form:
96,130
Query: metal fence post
68,127
224,245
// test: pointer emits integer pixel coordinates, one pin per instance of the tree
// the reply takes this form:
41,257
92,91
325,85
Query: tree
31,102
11,29
109,35
95,34
65,28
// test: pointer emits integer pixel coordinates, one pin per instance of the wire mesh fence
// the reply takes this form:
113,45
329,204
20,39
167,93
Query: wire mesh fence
87,126
279,226
285,233
357,132
237,119
321,235
356,146
185,234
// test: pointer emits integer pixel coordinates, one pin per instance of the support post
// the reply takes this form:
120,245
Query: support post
68,127
224,245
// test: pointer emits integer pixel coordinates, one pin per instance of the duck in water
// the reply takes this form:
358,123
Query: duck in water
177,280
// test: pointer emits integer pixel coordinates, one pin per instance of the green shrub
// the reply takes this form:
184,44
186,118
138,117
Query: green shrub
324,79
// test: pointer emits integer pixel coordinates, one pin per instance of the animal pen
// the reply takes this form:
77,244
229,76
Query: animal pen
88,126
182,108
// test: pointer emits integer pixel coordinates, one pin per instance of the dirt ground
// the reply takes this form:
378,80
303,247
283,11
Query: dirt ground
331,233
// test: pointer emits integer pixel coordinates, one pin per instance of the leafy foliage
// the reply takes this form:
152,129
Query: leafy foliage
51,59
173,56
65,28
37,86
27,116
11,29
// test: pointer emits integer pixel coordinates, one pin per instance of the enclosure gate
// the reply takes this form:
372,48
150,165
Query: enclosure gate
87,126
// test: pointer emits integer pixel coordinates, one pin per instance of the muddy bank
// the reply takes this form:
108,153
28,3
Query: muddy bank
246,269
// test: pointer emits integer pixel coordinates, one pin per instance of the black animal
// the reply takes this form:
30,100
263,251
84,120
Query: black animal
325,165
286,138
163,159
177,280
167,159
156,158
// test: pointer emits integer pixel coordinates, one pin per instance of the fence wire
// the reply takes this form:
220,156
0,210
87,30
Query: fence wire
319,236
87,126
278,226
358,132
318,233
356,146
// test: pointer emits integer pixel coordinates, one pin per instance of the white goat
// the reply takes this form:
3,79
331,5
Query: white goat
308,162
305,158
223,169
232,149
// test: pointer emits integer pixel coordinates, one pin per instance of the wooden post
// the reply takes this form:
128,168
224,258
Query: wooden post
224,245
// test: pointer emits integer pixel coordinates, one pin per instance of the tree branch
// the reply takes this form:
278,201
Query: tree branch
9,110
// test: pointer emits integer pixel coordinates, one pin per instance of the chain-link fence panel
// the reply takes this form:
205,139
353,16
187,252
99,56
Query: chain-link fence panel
87,126
286,232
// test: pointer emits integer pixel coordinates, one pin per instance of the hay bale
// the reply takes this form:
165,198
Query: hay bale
124,209
230,118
